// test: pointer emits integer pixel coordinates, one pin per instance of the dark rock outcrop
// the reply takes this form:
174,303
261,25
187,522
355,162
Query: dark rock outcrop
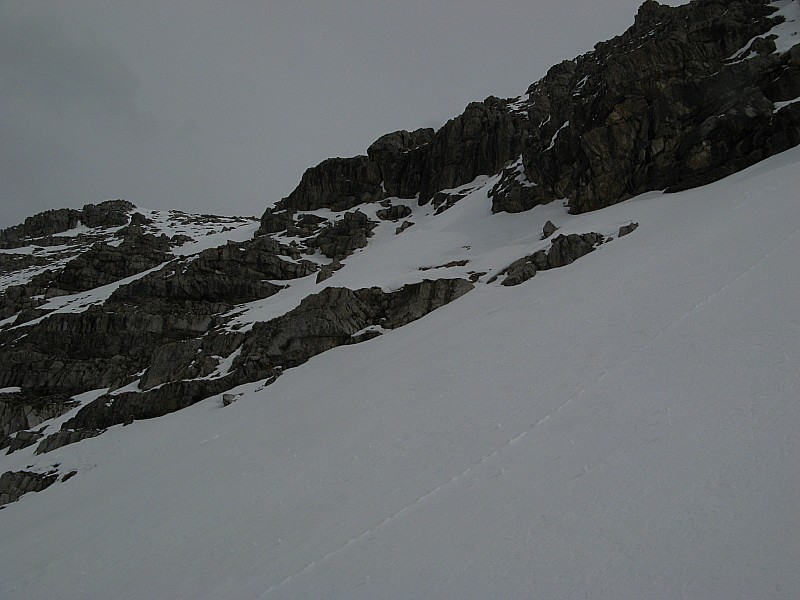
564,250
667,105
403,226
26,410
338,184
400,160
392,167
513,188
14,484
83,261
548,230
231,274
111,213
104,263
327,271
190,359
409,164
290,222
394,213
22,439
100,347
16,298
664,106
417,164
15,262
481,141
331,318
345,236
106,411
65,437
147,324
40,225
275,220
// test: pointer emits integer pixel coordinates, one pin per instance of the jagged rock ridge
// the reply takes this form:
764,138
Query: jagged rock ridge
667,105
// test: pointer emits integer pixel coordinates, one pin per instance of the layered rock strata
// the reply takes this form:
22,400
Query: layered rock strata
330,318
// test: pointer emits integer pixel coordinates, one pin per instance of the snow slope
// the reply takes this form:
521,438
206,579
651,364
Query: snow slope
624,427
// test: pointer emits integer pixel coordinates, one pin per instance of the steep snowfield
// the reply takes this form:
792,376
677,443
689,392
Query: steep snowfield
624,427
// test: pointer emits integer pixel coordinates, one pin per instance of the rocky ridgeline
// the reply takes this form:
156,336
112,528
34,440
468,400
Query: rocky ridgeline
666,105
404,164
47,235
40,227
686,96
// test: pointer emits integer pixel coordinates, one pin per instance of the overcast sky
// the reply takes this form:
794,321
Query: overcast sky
210,106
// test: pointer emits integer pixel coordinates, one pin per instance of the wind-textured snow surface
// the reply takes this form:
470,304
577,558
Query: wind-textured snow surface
624,427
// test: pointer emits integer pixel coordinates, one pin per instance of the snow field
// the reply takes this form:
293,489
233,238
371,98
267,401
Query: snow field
624,427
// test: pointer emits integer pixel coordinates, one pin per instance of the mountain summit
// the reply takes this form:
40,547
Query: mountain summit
548,350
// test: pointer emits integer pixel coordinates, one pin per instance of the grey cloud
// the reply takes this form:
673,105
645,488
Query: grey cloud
43,65
56,94
72,126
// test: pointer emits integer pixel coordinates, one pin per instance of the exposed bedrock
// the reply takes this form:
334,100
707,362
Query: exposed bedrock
660,107
107,345
409,164
564,250
666,105
111,213
330,318
14,484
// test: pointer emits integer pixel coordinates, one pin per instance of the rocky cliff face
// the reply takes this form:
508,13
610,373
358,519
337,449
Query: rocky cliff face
62,334
110,315
686,96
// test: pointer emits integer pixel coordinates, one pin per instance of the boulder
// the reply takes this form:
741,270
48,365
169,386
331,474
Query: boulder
548,230
394,213
403,226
